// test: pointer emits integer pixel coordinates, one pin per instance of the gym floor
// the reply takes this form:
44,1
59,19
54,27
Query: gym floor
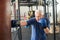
26,34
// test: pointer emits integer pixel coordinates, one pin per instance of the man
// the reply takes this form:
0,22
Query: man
39,26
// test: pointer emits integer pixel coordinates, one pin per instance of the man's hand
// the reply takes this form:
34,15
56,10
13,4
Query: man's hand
23,23
46,30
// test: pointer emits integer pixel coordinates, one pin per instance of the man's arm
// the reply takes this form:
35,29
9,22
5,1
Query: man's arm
46,29
26,23
44,25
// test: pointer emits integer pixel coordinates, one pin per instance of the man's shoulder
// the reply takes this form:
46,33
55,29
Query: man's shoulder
42,20
46,19
32,18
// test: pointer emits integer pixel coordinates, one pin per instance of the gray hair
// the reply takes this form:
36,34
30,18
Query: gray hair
40,11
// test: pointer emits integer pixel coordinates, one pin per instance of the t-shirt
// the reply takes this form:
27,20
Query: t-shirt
47,21
37,29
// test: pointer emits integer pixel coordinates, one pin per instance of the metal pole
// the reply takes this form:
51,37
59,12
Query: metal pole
54,18
48,9
45,7
14,11
29,8
56,12
18,10
36,5
19,30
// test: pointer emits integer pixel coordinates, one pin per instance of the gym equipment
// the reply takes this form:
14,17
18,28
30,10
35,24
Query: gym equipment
31,14
5,26
15,23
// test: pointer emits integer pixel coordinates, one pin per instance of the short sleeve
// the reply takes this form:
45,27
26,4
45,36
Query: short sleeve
43,23
30,21
48,22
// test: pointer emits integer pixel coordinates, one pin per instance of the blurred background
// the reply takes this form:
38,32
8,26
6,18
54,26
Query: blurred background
24,10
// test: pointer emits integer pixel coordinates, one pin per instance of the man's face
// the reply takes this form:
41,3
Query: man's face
38,16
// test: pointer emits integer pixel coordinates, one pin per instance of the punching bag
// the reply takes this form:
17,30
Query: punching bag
5,25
